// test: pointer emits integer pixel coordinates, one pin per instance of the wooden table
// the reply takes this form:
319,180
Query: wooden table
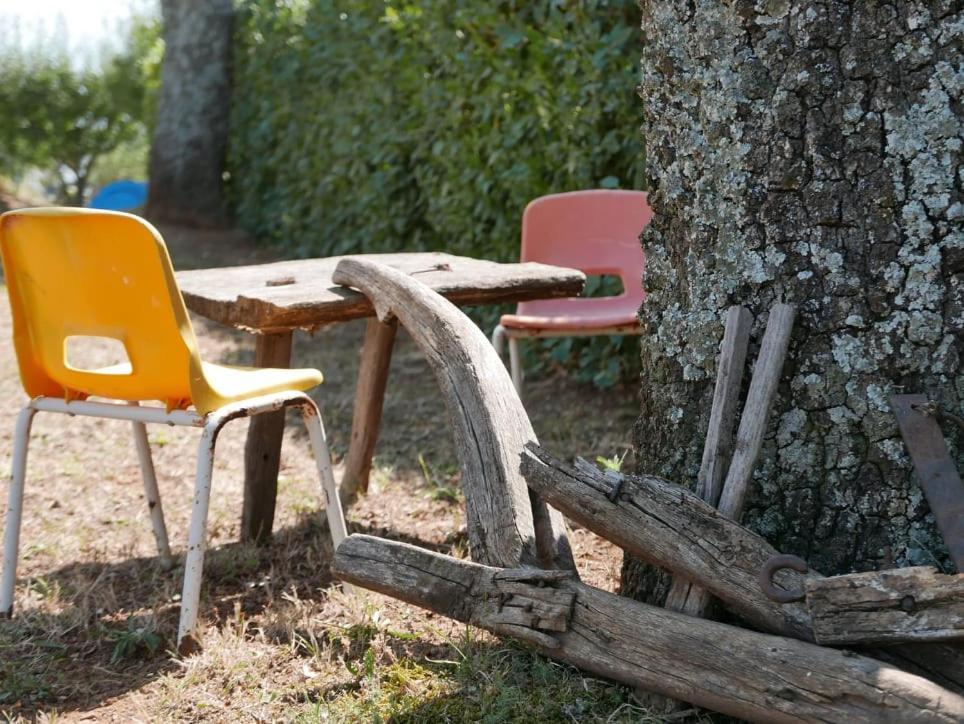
273,300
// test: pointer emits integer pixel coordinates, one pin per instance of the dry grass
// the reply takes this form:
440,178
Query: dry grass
96,616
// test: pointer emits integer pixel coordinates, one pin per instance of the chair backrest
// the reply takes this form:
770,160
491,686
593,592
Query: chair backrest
85,273
595,231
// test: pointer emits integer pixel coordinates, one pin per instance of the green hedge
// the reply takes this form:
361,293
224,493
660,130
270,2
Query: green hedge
384,125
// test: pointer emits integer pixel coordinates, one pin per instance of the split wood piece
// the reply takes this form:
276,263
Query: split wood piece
756,411
491,427
738,672
684,596
372,381
749,438
262,450
880,607
669,527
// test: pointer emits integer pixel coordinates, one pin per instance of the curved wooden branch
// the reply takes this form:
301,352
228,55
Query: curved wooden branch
505,527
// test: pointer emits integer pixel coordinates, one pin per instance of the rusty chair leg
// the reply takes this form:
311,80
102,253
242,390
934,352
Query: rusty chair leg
152,494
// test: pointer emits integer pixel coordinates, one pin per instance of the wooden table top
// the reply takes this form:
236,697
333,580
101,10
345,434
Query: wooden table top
300,294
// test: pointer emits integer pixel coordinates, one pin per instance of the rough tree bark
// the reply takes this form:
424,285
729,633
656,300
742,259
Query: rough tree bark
190,136
806,151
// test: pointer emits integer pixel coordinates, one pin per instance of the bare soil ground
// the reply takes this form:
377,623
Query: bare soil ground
96,616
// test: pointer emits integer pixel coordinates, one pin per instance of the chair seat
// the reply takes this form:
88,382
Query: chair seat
233,384
573,314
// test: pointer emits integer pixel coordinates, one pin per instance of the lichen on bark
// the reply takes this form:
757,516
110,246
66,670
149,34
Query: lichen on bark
807,151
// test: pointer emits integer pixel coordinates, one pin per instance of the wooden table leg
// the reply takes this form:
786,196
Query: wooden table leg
369,396
262,452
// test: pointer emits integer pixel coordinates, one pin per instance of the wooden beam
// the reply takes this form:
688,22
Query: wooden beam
369,398
882,607
731,670
262,451
490,424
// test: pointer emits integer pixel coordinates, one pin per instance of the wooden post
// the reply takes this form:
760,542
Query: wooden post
491,426
369,399
738,672
262,451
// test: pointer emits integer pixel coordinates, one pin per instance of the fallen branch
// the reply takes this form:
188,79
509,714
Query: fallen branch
741,673
506,526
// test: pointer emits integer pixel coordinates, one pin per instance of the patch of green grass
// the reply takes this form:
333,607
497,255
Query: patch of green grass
479,681
437,490
139,639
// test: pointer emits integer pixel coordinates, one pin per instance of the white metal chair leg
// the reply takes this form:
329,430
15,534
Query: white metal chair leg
498,339
319,446
515,363
197,541
152,494
11,537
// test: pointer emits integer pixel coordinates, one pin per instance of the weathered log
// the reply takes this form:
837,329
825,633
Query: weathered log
505,526
669,527
683,596
879,607
738,672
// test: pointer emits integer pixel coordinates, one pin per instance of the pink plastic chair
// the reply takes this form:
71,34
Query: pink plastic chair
596,232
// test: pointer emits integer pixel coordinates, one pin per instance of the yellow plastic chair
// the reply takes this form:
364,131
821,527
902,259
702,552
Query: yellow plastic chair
84,273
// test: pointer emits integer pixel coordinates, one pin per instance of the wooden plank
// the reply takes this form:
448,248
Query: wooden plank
719,437
726,396
262,450
883,607
369,398
742,673
756,411
300,294
491,427
671,528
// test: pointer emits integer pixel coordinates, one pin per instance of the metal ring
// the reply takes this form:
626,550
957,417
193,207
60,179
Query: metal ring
774,564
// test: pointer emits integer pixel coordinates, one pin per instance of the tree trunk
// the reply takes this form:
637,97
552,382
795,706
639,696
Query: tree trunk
190,138
806,152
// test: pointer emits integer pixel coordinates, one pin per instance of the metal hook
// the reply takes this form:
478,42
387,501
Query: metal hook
774,564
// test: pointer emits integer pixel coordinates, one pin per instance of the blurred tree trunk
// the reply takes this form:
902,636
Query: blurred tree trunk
807,151
190,137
